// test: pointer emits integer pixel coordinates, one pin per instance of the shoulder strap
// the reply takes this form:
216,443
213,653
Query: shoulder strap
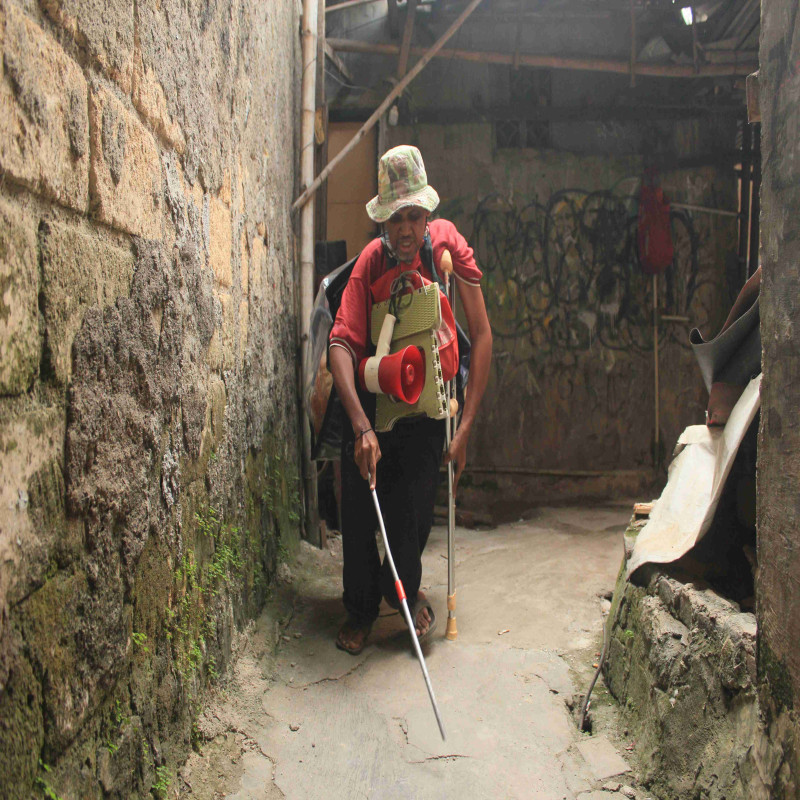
426,256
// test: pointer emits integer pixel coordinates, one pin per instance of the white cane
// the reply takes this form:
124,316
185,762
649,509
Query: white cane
451,632
401,594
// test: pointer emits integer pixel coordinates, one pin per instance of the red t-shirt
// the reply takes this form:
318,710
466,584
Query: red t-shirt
352,324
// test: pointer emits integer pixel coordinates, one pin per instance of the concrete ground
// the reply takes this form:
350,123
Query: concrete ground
300,719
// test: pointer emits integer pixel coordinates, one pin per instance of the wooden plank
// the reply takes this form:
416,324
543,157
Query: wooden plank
753,98
641,510
755,210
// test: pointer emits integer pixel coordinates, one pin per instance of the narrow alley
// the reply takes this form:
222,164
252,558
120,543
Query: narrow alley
265,266
301,719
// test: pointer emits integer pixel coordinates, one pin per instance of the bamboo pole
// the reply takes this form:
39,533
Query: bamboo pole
396,92
558,62
307,143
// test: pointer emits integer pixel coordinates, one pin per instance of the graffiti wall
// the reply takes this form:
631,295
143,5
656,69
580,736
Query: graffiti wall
573,380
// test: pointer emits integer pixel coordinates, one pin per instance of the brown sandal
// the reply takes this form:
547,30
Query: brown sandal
352,627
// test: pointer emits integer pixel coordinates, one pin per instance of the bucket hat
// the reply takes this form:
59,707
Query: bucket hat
402,181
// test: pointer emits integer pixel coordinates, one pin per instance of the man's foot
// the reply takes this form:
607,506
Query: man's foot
424,618
352,638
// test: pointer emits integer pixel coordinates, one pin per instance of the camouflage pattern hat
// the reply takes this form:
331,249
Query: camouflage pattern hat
402,182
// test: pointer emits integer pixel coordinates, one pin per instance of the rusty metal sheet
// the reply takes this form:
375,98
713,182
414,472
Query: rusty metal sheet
703,459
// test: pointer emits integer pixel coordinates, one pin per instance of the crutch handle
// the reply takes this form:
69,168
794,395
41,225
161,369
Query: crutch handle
451,632
446,262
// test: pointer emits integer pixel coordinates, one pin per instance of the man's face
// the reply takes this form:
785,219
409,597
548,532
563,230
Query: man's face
406,229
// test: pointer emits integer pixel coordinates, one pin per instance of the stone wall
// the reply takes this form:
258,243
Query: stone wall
682,664
572,387
148,420
778,587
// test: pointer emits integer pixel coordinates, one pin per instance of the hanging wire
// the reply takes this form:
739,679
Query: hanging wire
398,291
345,83
366,24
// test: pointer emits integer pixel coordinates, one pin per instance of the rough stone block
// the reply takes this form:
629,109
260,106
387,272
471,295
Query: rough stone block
220,242
21,742
44,142
229,330
27,444
103,28
245,274
51,620
78,271
125,175
256,267
244,321
602,758
151,102
214,426
19,280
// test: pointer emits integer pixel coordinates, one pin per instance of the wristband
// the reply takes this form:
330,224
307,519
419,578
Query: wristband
366,430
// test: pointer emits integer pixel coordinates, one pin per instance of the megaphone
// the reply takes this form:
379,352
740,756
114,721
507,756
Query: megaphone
400,375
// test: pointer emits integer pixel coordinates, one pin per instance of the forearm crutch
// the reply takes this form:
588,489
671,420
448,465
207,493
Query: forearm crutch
401,594
451,631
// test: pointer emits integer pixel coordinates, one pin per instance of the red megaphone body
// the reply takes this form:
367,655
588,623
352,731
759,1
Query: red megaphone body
400,375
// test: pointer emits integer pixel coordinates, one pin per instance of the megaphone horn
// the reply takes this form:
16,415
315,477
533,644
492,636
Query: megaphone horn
400,375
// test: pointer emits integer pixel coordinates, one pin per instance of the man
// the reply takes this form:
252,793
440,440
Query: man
401,464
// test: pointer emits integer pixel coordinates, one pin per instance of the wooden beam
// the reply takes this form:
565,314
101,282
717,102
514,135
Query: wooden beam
744,204
348,4
558,62
755,208
519,35
392,13
337,62
418,67
753,98
408,33
633,46
593,113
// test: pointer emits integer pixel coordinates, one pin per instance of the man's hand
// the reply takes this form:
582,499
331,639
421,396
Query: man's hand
457,453
367,454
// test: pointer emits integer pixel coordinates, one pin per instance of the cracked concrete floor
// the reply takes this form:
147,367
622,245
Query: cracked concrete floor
300,719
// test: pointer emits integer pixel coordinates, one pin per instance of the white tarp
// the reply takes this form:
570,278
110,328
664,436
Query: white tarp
703,459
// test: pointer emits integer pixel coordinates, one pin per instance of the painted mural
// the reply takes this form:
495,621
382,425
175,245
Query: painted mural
564,275
572,316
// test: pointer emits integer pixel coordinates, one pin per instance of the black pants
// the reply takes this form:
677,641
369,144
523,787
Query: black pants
407,479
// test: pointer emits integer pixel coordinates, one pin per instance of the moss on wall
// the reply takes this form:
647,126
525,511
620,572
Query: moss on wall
150,433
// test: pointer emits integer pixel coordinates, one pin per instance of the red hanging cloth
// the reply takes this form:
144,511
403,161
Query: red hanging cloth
653,233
